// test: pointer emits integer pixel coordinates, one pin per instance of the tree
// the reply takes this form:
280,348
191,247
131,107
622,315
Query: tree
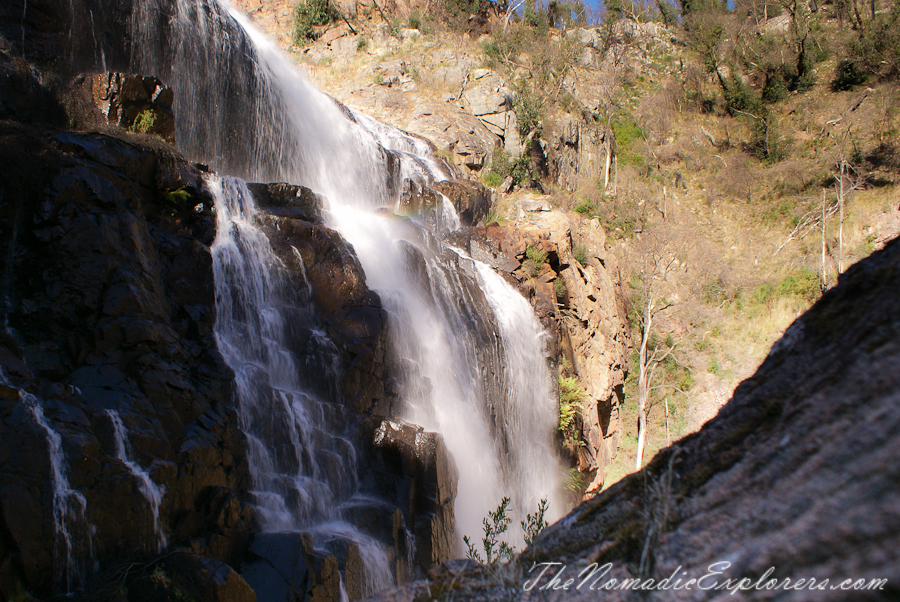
657,259
846,176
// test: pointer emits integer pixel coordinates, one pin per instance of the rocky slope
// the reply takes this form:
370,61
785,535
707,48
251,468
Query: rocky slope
796,472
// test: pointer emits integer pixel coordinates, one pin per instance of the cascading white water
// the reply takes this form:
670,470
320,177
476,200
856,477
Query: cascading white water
285,424
242,107
73,544
152,492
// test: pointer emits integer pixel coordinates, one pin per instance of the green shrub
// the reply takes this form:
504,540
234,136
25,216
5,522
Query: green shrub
504,165
309,14
876,50
534,523
529,108
571,395
143,123
492,179
415,22
361,44
495,551
178,197
581,254
848,75
584,207
626,130
802,284
559,287
538,256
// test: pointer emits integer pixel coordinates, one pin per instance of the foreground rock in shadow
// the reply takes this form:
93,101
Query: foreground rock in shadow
797,473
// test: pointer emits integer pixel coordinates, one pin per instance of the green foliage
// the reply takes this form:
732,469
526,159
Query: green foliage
574,481
361,44
584,207
307,15
538,256
415,22
536,18
876,50
847,75
534,523
581,254
464,7
529,108
689,7
179,197
559,287
503,165
626,130
493,217
802,284
571,394
492,179
495,525
143,123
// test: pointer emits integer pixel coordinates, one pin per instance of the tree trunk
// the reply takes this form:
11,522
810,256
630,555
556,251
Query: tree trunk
824,273
841,227
643,383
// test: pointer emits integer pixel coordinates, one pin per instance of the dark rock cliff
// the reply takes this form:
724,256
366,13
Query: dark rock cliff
108,289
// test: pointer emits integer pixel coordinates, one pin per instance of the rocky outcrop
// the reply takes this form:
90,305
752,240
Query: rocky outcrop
136,103
320,263
578,152
415,468
795,478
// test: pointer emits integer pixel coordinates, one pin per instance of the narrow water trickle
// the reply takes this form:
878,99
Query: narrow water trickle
73,537
152,492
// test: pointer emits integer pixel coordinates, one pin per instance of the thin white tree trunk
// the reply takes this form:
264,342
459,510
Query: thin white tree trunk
643,383
841,230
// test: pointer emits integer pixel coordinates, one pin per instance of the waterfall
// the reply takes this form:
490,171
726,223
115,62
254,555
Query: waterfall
302,468
243,108
152,492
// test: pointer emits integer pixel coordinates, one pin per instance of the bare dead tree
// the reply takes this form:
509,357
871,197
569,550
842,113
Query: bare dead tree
657,259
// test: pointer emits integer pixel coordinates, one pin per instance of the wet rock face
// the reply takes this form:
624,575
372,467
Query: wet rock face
595,344
414,467
109,288
321,265
471,200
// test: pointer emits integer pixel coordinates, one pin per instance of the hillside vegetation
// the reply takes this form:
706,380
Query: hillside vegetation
752,154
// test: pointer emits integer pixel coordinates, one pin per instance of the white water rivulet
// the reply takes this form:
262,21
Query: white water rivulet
152,492
73,537
474,366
